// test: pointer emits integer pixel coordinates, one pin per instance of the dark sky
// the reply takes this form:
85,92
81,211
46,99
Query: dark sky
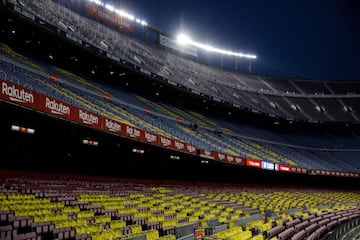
317,39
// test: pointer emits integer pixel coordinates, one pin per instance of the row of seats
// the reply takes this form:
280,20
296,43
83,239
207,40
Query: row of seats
102,208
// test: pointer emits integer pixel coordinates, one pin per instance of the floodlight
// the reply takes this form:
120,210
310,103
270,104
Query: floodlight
182,39
131,17
120,12
97,2
109,7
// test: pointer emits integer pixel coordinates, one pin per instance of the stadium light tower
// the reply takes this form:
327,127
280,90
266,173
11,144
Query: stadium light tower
183,39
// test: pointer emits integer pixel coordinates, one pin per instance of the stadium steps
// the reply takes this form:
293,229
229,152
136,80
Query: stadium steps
206,144
79,80
158,107
174,112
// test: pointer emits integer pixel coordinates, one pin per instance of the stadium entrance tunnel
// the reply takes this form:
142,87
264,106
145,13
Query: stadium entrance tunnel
57,145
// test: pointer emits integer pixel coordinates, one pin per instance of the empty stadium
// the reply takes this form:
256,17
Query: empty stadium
112,133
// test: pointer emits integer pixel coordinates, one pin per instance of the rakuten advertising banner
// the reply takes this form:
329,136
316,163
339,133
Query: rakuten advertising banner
220,156
240,160
167,142
190,149
299,170
88,118
113,126
206,154
133,132
17,94
151,138
57,107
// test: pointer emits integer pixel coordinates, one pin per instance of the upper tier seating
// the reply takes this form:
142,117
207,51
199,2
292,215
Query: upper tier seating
211,134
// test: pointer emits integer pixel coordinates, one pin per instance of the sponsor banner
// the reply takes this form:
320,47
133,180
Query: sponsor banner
112,126
219,156
166,142
298,170
190,148
109,17
267,165
151,138
57,107
253,163
282,168
206,154
240,160
88,118
227,158
173,44
133,132
230,159
17,94
179,145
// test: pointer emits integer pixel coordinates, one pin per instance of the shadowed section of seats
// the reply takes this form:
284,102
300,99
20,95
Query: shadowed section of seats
205,132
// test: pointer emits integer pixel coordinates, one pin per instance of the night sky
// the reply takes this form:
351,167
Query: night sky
316,39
